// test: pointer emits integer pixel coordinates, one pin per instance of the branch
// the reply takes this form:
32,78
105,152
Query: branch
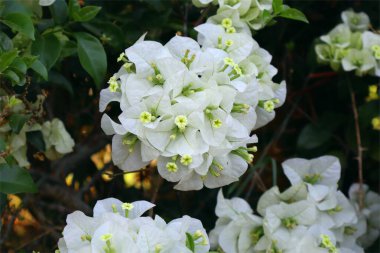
359,147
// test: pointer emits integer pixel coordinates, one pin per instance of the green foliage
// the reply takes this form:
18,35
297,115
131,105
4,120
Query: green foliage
92,56
17,121
19,22
48,49
14,179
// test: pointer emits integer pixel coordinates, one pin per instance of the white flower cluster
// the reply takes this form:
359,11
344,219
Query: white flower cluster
192,105
310,216
56,138
251,14
117,227
351,46
370,213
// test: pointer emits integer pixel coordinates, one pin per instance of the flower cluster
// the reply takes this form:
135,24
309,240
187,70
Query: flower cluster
369,213
192,105
118,227
351,46
249,14
312,215
17,120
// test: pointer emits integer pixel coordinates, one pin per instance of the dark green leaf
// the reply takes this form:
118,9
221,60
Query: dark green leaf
59,11
55,78
3,145
48,48
17,121
190,242
291,13
74,8
277,6
40,69
11,75
6,43
3,202
36,139
312,137
92,56
14,179
19,66
6,59
86,13
21,23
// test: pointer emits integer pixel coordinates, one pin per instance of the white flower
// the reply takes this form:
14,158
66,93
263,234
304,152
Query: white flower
340,36
195,101
357,21
46,2
359,60
118,227
370,213
320,174
57,140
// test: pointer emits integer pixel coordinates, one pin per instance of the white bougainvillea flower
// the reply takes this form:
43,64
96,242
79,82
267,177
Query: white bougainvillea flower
78,232
342,213
273,196
57,140
319,174
195,101
370,213
340,36
46,2
359,60
119,227
129,210
357,21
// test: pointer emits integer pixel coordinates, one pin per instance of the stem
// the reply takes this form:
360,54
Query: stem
359,147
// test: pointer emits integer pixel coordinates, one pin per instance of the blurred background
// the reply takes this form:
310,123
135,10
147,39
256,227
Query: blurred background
315,120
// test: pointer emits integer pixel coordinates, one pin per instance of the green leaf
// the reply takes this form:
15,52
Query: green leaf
36,139
17,121
12,76
14,179
59,11
190,242
19,66
312,136
21,23
86,13
291,13
48,48
6,59
57,79
3,145
40,69
92,56
277,6
6,43
74,7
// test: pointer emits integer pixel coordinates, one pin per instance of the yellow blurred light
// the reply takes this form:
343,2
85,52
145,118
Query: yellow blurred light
134,180
376,123
102,157
372,93
107,176
69,179
14,201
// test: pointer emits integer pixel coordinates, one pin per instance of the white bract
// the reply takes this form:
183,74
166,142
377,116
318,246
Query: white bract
57,140
301,219
250,14
119,227
192,105
351,46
